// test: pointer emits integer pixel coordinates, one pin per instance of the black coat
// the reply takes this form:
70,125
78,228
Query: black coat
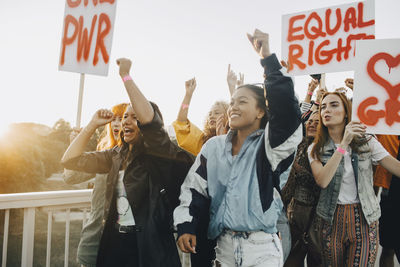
152,182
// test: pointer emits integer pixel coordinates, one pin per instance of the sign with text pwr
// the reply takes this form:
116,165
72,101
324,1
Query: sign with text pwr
323,40
87,36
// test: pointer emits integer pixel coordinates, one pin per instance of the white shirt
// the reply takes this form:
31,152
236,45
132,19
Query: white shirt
348,189
125,215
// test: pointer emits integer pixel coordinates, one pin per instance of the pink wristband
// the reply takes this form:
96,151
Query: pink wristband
309,93
185,106
341,150
127,78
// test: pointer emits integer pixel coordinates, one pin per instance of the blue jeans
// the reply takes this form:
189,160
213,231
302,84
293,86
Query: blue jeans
241,249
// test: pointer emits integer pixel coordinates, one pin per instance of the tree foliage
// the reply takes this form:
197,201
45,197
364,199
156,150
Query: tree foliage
30,153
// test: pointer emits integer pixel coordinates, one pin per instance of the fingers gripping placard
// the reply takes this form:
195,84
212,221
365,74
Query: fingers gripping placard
87,36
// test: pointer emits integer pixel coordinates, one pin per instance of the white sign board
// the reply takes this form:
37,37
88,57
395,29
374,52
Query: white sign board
377,86
323,40
87,36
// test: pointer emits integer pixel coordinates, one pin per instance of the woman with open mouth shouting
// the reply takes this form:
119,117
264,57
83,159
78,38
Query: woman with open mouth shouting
144,176
93,229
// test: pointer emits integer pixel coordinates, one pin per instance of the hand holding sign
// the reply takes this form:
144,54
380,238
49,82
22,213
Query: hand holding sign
353,129
349,83
286,65
312,85
260,42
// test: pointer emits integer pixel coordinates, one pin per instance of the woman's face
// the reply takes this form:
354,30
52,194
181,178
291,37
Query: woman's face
116,126
213,114
243,111
312,125
129,126
332,111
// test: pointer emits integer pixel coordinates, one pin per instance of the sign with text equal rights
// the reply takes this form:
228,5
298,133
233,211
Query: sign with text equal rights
377,86
323,40
87,36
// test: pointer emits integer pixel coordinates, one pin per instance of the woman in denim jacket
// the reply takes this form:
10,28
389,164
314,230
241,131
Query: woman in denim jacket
341,159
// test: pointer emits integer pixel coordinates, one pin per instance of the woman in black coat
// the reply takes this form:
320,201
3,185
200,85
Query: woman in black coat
144,176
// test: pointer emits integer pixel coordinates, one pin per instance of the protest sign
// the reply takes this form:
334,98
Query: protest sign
87,36
323,40
377,85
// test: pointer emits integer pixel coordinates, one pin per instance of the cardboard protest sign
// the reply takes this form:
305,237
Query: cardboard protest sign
323,40
377,86
87,36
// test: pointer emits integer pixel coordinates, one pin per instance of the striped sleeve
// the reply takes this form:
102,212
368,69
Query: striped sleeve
305,107
194,199
285,150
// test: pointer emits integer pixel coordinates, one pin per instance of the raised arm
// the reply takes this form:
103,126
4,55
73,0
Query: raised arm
76,177
232,80
93,162
77,147
155,138
285,121
283,132
143,109
190,86
311,88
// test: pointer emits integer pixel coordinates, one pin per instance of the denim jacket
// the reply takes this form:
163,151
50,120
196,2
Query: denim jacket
362,167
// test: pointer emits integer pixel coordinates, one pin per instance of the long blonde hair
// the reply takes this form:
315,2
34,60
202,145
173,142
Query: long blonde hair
210,131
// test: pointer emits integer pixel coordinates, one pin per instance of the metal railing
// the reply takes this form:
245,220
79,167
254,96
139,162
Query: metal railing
49,202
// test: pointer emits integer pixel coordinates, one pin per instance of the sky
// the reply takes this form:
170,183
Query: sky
168,41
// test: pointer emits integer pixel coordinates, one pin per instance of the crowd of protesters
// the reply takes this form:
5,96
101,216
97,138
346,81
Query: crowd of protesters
269,181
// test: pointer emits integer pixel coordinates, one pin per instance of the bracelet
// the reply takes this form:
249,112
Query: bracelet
185,106
310,93
127,78
341,150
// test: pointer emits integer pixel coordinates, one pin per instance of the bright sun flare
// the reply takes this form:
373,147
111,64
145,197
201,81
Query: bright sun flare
3,130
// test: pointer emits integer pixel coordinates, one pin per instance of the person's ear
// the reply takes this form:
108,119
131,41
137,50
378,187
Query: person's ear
260,114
